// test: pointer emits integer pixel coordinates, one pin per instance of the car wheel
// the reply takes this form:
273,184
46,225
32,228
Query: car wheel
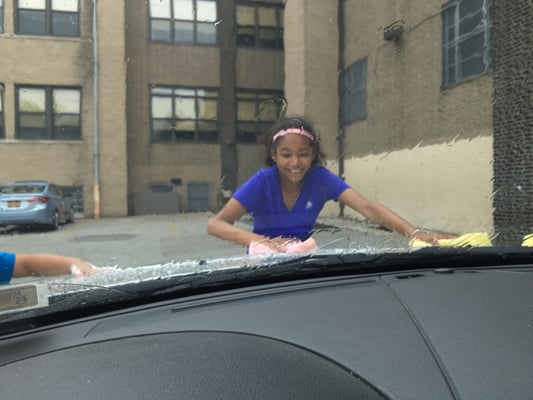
55,221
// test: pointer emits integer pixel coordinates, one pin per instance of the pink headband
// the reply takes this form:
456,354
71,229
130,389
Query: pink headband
299,131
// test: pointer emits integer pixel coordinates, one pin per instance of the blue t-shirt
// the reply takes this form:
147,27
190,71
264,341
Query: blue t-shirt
7,263
261,196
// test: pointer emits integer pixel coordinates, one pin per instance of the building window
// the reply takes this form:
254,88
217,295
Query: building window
256,112
2,130
466,40
183,21
77,196
353,92
48,17
48,113
184,114
260,26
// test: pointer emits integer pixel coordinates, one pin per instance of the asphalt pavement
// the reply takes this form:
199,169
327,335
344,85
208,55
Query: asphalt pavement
158,239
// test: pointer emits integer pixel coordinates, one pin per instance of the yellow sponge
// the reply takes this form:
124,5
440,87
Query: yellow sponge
528,240
476,239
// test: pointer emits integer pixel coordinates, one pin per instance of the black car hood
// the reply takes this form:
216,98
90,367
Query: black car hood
428,333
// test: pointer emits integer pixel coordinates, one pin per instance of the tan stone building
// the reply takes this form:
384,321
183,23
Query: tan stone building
155,114
184,94
404,139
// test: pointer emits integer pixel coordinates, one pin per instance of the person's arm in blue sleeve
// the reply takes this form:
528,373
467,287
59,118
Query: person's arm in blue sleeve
41,264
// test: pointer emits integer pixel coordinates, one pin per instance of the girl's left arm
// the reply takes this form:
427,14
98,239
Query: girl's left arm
387,218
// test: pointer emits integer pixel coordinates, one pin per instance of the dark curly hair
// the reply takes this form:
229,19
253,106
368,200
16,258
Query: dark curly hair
293,122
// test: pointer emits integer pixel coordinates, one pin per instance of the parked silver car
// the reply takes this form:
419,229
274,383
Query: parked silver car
33,203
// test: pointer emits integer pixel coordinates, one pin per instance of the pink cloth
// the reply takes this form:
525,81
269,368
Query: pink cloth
294,246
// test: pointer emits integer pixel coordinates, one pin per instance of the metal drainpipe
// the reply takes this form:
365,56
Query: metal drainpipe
96,144
340,68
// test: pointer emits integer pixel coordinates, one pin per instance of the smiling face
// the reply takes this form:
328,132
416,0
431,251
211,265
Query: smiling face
293,154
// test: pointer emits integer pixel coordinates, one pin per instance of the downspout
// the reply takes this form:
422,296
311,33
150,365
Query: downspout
340,68
96,144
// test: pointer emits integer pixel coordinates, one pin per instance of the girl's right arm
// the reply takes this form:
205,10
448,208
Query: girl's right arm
222,225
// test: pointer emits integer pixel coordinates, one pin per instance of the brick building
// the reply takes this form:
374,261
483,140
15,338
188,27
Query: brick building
166,119
408,113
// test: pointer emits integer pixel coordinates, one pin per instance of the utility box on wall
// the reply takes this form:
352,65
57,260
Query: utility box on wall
198,197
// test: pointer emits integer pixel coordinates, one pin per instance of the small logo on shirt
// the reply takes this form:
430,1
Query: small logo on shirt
309,205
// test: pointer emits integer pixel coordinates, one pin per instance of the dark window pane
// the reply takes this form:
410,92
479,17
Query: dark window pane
32,134
472,66
267,38
206,33
280,43
31,22
67,133
67,127
183,31
32,120
207,131
451,74
450,53
473,46
470,23
65,24
246,36
210,136
185,135
467,7
161,30
450,34
354,93
162,130
246,132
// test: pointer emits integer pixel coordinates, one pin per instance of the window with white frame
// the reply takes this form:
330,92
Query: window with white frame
256,112
48,113
183,21
48,17
466,40
354,92
260,26
184,114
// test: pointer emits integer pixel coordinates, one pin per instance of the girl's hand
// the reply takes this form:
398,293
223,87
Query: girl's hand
282,243
274,245
432,238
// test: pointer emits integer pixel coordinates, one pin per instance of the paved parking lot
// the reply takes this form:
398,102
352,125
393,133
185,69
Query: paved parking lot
147,240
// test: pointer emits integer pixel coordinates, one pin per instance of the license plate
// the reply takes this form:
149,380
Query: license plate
13,204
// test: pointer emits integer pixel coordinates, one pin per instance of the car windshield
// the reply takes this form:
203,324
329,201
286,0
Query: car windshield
182,138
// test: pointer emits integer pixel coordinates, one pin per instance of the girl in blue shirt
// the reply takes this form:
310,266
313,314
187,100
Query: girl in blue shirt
286,198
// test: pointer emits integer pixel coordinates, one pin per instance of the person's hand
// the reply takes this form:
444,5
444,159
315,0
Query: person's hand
277,245
432,238
81,268
282,243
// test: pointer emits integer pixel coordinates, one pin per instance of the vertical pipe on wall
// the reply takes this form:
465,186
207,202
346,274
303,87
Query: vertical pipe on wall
340,135
96,144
